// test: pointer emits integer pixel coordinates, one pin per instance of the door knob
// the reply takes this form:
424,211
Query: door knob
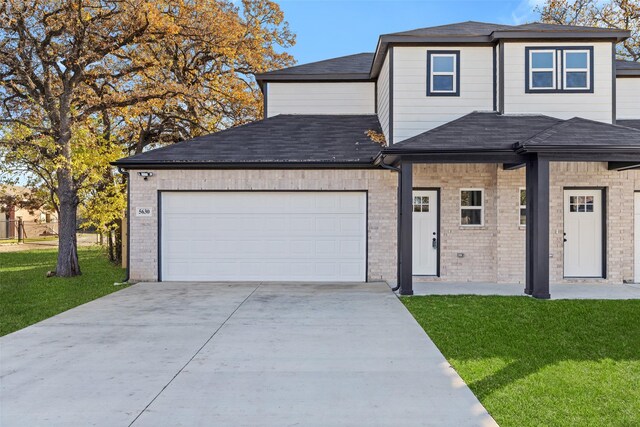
434,243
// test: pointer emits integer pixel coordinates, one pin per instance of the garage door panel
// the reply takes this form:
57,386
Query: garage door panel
303,236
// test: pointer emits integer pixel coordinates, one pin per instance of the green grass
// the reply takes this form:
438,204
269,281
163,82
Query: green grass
27,296
541,363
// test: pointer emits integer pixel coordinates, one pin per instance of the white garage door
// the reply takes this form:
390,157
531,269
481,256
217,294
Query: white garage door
270,236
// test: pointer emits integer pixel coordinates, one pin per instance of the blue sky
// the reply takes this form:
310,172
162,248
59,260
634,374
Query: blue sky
330,28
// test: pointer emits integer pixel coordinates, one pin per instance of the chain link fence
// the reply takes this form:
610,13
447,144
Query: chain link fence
25,231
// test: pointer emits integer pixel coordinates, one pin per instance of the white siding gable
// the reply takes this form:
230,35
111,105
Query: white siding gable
595,106
628,98
320,98
414,112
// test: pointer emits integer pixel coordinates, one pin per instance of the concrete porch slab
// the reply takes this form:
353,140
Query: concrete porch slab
558,291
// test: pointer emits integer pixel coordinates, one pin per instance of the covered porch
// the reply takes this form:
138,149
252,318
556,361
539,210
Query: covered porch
558,290
513,142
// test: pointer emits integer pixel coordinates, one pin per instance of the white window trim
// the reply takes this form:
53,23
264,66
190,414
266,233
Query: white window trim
553,70
480,208
444,73
521,206
566,69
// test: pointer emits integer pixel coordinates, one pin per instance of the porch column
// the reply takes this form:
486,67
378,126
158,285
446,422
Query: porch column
537,280
405,205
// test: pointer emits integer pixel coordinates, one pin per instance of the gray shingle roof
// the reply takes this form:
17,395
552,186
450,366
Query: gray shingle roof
468,28
544,27
627,68
283,139
477,131
627,65
347,67
629,123
340,141
583,134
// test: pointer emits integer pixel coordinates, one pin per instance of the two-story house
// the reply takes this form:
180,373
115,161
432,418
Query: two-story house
467,152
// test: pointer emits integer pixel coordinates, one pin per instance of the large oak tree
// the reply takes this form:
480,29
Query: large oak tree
623,14
85,81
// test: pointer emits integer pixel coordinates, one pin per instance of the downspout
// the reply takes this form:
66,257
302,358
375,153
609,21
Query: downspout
383,165
128,178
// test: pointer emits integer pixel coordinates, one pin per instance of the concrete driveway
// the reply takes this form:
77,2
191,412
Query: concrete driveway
197,354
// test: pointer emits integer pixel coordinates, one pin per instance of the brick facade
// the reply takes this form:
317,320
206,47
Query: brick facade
494,252
381,187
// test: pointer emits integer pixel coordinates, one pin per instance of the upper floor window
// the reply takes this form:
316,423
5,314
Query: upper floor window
559,70
443,73
542,69
576,69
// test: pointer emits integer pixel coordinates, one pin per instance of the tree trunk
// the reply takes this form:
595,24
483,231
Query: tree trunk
112,256
68,265
118,241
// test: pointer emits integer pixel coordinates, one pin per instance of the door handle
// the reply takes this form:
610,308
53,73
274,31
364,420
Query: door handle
434,243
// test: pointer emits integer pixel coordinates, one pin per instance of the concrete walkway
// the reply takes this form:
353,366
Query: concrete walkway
558,291
189,354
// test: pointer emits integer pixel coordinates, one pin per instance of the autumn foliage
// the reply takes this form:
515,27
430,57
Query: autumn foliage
622,14
84,82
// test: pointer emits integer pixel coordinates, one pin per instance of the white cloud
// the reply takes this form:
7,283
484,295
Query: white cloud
525,11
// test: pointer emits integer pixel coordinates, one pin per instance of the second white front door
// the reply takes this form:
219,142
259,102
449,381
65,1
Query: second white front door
425,232
583,233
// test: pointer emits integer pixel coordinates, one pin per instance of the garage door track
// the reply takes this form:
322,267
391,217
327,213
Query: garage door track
242,354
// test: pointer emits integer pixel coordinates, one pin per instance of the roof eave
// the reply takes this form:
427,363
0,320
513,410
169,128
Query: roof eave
523,148
419,151
244,165
265,78
627,72
619,35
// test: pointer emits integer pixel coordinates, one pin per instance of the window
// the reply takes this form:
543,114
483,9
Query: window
559,70
581,204
542,73
443,73
421,204
576,69
471,207
523,207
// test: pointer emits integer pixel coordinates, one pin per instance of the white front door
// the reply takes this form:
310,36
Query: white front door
583,233
425,232
637,239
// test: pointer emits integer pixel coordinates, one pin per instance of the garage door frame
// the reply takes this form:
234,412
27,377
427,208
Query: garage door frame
366,216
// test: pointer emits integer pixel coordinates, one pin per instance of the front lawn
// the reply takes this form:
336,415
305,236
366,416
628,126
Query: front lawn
541,363
27,296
